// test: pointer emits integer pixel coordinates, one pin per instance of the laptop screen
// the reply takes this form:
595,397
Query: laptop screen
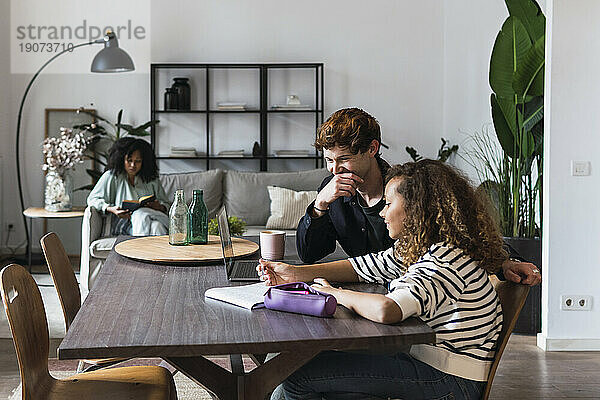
225,237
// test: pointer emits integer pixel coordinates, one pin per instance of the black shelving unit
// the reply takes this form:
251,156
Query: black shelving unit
263,111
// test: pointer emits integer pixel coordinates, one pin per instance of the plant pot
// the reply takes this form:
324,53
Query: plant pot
58,195
530,320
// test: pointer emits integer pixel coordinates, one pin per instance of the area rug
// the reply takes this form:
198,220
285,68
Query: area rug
186,388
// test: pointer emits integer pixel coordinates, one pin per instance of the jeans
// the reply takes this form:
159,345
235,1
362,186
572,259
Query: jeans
339,375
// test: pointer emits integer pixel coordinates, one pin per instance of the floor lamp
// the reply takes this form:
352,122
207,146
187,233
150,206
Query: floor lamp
110,59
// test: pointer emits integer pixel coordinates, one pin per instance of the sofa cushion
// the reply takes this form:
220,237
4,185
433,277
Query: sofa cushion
210,181
287,206
245,193
101,247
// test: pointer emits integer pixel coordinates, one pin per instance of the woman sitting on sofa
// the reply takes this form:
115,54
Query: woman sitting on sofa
446,245
130,174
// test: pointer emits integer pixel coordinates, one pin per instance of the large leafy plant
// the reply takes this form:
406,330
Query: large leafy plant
517,102
102,135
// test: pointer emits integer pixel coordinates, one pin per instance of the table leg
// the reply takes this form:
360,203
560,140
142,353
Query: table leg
237,365
253,385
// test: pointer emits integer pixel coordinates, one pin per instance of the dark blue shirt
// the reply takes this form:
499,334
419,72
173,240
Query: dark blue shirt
346,223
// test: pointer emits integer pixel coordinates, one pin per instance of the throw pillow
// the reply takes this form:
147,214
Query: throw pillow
287,207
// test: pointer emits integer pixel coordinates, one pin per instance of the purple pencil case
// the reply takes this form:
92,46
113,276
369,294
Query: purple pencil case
286,297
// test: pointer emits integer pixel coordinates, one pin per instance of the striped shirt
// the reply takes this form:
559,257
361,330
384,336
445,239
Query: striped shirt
450,293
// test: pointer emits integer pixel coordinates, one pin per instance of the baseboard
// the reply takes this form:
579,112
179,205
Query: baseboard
548,344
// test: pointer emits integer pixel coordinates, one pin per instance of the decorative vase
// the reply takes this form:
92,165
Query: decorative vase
171,99
58,195
184,93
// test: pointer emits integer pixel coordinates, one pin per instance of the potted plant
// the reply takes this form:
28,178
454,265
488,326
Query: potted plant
237,226
513,176
102,135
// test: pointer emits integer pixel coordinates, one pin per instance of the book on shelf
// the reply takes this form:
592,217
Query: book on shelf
177,151
291,153
247,296
133,205
231,153
231,106
180,148
182,154
291,107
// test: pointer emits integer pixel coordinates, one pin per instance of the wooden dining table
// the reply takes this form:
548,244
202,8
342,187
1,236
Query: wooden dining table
139,309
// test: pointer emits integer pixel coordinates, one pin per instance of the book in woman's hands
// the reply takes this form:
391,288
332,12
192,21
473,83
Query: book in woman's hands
133,205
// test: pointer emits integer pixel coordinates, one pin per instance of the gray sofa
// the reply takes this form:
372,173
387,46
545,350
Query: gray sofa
243,193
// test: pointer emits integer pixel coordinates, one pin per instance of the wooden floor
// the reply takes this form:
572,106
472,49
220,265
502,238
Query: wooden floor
525,372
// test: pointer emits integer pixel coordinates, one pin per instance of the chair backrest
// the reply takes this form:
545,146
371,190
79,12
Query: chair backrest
512,297
63,276
27,319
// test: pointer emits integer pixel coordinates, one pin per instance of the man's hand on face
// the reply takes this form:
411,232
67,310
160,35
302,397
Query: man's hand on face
342,185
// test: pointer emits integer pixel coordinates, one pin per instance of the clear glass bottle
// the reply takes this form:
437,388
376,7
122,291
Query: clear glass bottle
179,221
198,219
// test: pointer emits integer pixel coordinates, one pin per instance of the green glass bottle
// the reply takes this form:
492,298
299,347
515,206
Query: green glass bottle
198,219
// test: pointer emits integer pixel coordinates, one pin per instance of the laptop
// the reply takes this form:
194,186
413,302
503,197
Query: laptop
237,270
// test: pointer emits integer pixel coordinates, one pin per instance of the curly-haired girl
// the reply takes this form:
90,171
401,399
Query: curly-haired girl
130,174
437,270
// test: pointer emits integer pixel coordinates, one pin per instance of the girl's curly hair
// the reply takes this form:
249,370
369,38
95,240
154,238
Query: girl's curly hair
125,147
442,206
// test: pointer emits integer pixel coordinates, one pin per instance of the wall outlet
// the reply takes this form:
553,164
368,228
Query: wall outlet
575,302
580,168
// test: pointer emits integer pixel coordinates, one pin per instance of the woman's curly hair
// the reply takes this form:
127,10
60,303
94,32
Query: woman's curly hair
125,147
442,206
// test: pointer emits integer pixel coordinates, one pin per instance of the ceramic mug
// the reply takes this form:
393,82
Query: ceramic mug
272,245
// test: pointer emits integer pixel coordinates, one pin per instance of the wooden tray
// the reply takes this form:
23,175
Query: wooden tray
158,250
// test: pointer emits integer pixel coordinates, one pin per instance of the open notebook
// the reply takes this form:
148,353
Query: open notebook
247,296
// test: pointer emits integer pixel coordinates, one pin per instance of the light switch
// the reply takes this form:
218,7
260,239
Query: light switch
580,168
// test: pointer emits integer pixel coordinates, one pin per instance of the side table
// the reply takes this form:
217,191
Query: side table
40,212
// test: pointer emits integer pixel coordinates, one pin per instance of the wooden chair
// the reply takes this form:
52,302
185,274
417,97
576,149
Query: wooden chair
68,292
27,319
512,297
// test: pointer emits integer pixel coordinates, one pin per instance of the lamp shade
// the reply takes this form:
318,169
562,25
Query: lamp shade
112,58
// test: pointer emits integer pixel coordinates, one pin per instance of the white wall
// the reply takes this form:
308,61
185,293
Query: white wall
470,29
384,57
571,217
